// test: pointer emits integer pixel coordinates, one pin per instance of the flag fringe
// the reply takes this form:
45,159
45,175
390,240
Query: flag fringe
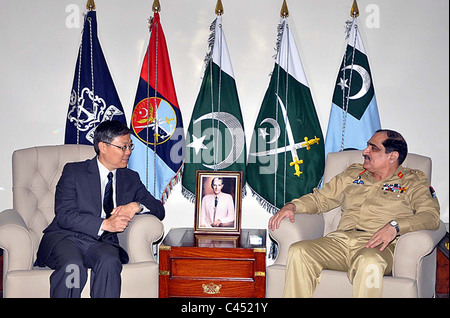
211,40
172,183
280,30
188,194
269,207
348,27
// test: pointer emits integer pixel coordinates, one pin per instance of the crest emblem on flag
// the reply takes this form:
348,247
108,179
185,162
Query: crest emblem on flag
94,97
156,123
162,127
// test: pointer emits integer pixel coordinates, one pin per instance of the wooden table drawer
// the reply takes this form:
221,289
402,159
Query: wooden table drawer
218,268
211,288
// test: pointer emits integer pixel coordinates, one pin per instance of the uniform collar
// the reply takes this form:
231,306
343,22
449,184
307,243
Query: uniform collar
397,174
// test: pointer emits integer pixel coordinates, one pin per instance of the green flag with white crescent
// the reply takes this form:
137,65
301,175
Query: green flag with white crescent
286,157
215,139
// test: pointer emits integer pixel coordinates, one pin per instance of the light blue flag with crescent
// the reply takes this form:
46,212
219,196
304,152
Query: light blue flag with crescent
354,114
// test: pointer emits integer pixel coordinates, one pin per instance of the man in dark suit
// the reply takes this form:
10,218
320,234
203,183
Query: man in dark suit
83,233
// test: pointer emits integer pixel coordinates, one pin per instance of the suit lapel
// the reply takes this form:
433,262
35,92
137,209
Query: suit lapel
94,180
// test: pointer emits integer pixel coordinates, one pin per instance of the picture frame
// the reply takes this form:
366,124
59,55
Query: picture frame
218,201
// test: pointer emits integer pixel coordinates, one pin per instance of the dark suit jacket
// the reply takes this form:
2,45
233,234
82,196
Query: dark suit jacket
78,205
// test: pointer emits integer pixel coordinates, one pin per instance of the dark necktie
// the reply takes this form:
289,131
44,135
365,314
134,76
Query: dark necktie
108,204
216,200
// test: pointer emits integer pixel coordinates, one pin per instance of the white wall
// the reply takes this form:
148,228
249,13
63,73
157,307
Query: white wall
408,54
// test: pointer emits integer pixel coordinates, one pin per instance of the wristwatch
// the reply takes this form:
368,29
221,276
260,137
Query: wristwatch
141,207
394,223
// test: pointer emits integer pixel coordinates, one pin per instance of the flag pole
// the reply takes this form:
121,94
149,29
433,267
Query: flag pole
90,5
219,8
354,13
284,10
156,6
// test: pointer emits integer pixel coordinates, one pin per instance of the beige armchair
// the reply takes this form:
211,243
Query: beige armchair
414,270
36,172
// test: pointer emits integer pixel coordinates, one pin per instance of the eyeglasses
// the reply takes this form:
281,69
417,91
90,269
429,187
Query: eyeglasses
123,148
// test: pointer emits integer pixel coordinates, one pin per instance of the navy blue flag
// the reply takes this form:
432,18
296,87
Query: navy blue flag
94,97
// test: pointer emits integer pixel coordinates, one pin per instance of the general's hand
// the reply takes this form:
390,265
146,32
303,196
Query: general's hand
382,237
116,223
286,212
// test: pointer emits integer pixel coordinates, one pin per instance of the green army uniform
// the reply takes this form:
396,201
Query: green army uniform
367,205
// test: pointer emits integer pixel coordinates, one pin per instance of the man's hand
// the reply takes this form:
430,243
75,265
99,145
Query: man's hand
286,212
128,210
382,237
116,223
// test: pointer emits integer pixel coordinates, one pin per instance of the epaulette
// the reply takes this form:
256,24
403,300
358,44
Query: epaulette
356,166
419,173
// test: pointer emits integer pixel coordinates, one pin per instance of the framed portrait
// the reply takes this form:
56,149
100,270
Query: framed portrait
218,199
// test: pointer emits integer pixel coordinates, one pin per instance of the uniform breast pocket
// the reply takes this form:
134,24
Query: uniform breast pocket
392,196
354,196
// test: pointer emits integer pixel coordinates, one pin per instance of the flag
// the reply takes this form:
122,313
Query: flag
215,139
156,123
354,114
286,156
94,97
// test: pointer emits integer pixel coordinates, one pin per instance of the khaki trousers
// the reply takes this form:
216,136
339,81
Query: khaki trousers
341,251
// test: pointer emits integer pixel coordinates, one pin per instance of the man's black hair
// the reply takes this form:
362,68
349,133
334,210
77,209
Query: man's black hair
107,131
395,142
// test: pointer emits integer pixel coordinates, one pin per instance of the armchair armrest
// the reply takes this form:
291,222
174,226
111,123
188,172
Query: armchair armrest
138,239
305,227
16,240
412,247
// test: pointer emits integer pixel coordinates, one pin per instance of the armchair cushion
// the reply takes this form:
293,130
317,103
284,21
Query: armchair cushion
15,239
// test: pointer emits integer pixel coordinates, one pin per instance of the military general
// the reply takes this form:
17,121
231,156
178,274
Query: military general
380,200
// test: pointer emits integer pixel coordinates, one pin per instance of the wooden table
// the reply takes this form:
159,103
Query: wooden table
442,268
212,266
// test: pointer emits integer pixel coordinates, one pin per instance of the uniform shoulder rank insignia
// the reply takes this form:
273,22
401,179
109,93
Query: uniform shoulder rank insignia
418,172
433,193
358,179
396,188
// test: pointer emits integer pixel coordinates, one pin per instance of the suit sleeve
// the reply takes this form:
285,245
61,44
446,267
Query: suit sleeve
144,197
67,211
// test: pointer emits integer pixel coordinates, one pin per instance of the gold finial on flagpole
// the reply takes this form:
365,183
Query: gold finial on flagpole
354,13
284,10
219,7
156,6
90,5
